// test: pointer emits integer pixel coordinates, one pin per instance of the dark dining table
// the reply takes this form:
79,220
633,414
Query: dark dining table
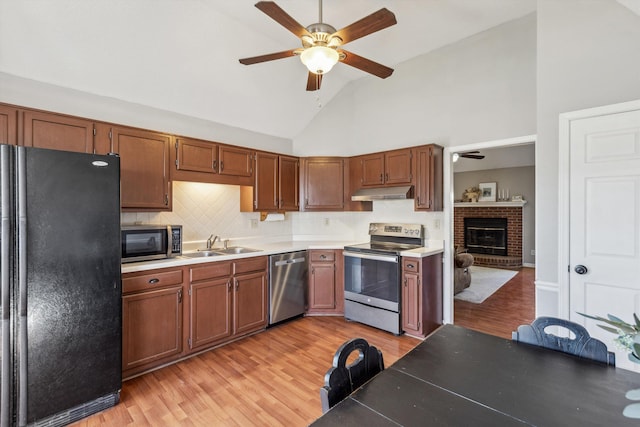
460,377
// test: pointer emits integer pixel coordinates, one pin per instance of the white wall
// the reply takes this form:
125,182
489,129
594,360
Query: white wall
588,56
482,88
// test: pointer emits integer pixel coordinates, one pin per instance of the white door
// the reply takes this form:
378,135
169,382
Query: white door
604,209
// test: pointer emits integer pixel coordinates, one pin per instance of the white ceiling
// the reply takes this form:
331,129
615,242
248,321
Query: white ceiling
182,55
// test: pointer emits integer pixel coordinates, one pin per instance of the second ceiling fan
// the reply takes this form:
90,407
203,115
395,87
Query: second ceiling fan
321,43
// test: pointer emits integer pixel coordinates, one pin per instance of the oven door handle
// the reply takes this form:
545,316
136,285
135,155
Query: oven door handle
385,258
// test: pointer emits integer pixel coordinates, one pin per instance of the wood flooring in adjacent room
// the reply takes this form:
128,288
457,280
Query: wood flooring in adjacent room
269,379
511,306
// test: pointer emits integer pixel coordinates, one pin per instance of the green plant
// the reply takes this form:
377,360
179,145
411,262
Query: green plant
628,334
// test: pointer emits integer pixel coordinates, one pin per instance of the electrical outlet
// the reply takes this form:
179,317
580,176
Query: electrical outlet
533,252
254,223
326,222
436,224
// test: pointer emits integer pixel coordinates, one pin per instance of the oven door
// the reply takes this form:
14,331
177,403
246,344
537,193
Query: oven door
372,279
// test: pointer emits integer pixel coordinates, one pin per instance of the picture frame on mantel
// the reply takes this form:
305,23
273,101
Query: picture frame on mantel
487,192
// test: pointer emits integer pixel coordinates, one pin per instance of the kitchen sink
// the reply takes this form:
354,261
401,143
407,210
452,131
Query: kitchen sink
201,254
236,250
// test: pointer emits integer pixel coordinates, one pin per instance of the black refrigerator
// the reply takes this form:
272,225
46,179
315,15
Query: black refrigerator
60,285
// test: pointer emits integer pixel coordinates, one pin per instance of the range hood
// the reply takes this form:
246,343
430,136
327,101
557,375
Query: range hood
383,193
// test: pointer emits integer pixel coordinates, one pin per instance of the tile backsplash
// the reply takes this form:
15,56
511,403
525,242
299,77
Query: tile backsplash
205,209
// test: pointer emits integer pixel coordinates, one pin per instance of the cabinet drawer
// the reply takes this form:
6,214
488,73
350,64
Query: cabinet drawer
250,264
411,265
150,280
210,271
322,256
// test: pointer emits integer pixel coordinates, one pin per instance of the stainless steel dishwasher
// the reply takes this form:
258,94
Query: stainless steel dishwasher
287,285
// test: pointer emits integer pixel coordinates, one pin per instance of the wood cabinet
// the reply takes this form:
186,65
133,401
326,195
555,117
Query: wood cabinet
421,294
144,169
235,161
428,191
387,168
275,187
8,125
326,282
323,184
152,311
196,156
228,299
57,132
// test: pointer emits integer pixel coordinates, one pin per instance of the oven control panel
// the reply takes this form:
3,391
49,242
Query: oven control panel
396,230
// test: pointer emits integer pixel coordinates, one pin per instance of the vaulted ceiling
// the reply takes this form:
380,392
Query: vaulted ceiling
182,55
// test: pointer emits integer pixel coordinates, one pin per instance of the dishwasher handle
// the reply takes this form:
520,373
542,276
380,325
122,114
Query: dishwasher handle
289,261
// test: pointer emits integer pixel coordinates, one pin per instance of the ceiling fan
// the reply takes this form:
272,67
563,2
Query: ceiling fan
322,44
468,154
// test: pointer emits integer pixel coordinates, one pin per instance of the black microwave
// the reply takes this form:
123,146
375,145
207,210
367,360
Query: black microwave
149,242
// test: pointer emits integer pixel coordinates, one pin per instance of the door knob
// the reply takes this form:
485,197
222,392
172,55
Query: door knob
581,269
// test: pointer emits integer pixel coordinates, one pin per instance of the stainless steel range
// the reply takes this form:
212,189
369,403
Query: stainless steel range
372,274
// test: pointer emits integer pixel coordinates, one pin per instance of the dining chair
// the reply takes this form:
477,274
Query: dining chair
342,379
583,345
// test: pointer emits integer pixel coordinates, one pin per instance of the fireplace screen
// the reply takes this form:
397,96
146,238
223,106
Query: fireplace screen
486,235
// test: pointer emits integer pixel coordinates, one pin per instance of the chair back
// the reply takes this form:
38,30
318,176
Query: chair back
342,379
583,345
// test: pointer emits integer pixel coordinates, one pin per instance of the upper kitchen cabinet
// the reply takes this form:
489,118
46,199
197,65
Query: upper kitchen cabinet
323,183
428,194
144,168
57,132
275,187
208,161
8,125
387,168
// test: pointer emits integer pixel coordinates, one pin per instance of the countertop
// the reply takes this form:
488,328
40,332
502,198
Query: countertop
432,247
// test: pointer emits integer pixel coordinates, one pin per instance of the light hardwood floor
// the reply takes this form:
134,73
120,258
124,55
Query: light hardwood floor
269,379
273,378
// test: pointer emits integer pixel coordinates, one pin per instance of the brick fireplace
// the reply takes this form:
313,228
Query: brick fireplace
513,215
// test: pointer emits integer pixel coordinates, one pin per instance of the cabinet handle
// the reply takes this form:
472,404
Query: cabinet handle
221,166
215,165
180,296
237,284
229,285
386,177
323,257
411,266
154,281
381,179
405,283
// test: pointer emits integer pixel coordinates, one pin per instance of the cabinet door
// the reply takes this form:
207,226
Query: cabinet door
428,178
411,303
151,327
266,182
288,179
196,156
235,161
210,312
250,302
324,184
372,170
8,125
144,168
56,132
397,165
322,286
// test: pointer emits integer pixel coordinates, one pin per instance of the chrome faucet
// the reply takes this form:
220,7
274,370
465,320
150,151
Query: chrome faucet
211,240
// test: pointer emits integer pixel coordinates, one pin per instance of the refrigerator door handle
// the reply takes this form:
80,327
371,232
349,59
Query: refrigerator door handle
5,288
21,184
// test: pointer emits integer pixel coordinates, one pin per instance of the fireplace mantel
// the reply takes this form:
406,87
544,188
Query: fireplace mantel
490,204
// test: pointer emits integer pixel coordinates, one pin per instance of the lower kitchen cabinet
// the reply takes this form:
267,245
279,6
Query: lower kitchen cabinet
152,310
326,282
228,299
421,294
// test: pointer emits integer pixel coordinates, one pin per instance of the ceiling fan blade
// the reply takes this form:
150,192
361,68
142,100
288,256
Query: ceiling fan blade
471,152
367,65
268,57
276,13
313,81
369,24
472,156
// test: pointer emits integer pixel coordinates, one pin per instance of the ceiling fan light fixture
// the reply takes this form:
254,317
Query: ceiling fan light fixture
319,59
455,157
